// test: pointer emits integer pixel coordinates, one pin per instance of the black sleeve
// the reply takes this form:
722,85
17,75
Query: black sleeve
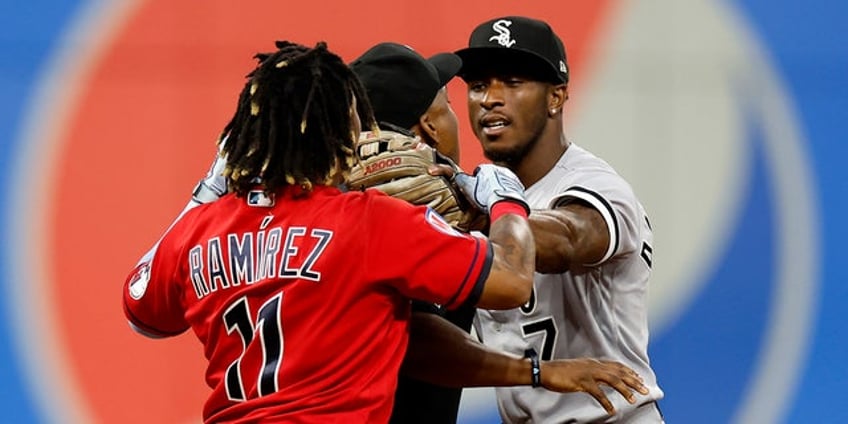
417,402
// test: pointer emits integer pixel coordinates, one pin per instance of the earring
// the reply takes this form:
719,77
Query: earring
553,112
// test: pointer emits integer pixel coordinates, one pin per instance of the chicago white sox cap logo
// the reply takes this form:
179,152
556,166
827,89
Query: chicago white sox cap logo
502,28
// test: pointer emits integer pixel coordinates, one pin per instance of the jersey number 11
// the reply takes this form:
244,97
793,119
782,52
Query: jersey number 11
238,318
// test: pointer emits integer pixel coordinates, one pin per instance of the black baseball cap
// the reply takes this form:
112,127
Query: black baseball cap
515,42
401,84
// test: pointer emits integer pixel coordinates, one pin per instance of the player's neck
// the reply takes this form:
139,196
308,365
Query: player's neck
541,157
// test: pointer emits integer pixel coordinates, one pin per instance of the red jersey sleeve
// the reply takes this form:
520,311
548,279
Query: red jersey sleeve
422,256
153,292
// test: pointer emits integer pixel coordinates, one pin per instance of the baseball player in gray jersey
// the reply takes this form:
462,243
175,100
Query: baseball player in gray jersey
593,238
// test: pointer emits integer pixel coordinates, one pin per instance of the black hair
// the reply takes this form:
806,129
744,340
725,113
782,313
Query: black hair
293,122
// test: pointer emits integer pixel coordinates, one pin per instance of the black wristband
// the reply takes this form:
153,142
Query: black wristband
535,369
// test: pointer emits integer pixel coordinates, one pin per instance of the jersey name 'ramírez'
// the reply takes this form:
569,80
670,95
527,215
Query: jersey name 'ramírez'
254,256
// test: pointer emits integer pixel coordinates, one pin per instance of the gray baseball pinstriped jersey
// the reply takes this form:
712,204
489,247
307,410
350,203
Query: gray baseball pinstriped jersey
599,311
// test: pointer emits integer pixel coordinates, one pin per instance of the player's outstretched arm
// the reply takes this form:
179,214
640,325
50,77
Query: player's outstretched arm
440,353
499,192
510,280
574,234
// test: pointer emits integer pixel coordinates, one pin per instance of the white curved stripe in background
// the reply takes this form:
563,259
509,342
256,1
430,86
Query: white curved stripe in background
661,106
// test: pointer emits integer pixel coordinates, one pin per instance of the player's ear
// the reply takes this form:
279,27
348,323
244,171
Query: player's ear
557,95
427,130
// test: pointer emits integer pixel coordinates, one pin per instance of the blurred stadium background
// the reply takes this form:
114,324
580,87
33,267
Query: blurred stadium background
728,117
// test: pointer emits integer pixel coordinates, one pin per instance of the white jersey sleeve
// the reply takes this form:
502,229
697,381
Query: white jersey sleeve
582,177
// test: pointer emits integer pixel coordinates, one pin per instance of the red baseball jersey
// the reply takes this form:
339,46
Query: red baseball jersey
302,302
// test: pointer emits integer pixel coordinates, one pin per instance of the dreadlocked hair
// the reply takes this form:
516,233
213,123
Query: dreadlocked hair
293,123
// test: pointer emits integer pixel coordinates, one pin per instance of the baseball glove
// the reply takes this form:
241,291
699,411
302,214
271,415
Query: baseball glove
397,164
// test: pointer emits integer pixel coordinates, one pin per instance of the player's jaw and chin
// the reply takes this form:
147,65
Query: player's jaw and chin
507,133
510,143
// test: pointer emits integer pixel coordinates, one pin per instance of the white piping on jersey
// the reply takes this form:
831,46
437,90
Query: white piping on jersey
601,206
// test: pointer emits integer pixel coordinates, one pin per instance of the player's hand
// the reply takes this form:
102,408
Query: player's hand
443,169
586,375
491,184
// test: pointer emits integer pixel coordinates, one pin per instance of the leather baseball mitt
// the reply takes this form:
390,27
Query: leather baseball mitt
396,164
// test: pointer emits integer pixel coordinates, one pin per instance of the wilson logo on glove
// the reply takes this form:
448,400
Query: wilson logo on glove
397,165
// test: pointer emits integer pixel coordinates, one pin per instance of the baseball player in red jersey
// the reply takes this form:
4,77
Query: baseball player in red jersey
298,290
